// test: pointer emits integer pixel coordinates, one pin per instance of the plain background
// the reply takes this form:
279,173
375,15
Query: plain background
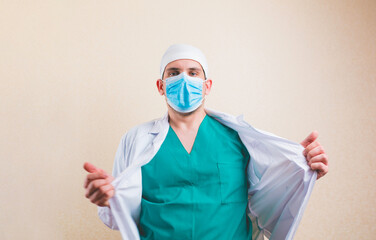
76,75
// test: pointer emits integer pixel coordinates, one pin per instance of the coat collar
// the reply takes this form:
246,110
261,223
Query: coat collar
159,124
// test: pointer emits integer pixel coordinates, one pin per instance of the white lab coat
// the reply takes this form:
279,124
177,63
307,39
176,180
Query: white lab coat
280,180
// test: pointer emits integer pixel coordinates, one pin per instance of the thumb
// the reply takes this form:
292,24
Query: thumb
90,168
309,139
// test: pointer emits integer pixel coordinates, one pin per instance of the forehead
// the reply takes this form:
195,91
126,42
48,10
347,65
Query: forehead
183,64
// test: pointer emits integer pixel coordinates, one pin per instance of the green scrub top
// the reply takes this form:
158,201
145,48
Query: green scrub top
200,195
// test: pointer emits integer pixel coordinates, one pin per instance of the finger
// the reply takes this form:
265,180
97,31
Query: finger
110,178
321,169
315,151
310,147
319,158
318,166
94,176
94,195
90,167
105,203
102,195
94,186
321,174
310,138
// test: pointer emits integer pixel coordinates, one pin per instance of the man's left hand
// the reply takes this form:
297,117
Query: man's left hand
315,154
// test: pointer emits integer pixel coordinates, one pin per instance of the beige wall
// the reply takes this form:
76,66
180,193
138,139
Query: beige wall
75,75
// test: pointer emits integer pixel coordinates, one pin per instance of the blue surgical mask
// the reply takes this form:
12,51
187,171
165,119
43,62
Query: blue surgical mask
184,93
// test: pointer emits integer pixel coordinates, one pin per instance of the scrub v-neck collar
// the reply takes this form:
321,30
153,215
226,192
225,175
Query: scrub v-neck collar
180,144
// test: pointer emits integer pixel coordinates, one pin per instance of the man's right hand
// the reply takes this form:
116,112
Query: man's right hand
98,185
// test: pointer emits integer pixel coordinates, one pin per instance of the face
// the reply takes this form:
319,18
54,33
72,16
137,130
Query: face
190,67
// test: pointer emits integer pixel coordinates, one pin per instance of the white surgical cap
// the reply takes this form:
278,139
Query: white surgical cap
183,51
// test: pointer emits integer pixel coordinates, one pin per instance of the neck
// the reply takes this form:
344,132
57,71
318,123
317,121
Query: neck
186,121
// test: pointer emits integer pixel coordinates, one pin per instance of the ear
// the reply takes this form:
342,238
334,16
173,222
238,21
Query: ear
208,85
160,86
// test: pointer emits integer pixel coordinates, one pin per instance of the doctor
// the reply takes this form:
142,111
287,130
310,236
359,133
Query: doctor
207,172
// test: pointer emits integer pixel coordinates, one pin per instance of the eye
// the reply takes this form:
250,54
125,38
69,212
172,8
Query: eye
193,73
173,73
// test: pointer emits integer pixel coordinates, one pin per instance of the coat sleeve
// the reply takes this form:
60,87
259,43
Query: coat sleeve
119,165
280,184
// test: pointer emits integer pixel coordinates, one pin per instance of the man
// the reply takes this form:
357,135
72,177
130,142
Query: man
200,174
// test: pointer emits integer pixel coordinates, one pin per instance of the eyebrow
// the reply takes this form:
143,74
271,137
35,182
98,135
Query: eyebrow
172,69
195,69
177,69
